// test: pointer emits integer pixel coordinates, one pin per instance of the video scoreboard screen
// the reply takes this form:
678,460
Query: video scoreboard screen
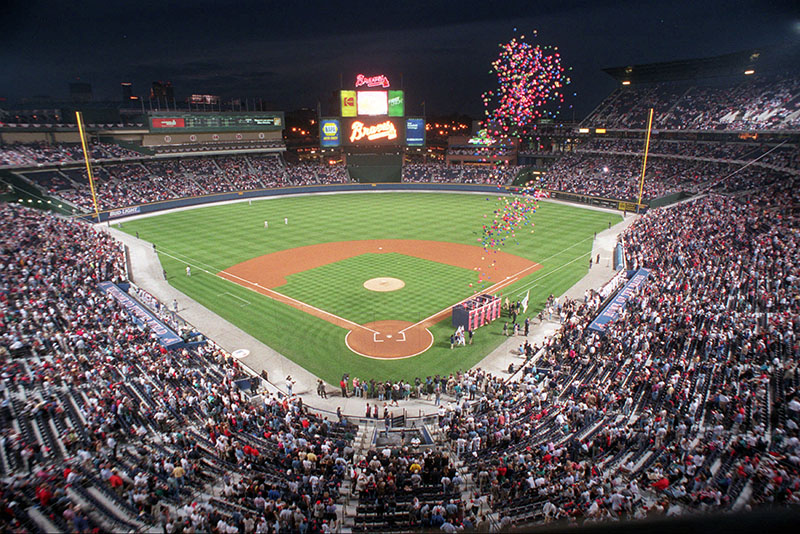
215,122
372,114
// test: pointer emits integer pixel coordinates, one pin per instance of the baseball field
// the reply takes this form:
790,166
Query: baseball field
362,283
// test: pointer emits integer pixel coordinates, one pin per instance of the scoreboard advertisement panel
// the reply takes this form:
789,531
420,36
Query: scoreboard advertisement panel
215,122
396,104
349,104
415,132
329,133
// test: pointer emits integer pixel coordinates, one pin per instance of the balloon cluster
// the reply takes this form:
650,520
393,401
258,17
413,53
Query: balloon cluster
510,215
531,83
507,222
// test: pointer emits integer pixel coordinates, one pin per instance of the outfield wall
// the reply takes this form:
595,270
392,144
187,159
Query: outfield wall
154,207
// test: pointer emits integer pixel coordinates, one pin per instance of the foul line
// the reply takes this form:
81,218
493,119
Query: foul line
274,295
246,302
545,275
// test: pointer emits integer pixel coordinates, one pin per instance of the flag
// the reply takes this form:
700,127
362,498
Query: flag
525,302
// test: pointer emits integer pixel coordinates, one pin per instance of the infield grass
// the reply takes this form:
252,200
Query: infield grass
338,287
214,238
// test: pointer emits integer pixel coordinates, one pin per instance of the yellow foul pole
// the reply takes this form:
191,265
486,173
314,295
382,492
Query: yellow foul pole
85,146
644,163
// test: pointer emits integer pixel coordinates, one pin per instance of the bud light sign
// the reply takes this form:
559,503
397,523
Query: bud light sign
329,133
415,132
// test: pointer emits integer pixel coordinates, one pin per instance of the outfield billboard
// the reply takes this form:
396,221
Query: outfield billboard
415,132
329,133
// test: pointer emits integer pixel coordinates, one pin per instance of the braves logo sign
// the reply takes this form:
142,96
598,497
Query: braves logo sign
372,81
383,130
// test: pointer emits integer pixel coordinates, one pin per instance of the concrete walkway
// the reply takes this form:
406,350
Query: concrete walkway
147,274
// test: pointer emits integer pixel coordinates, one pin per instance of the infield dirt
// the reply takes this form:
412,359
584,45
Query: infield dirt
383,339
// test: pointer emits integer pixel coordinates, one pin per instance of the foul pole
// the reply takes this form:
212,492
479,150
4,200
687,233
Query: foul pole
85,146
644,163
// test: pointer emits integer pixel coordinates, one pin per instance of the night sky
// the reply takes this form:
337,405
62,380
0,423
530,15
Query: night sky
291,54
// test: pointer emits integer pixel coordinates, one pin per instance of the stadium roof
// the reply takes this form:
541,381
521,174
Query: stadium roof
733,64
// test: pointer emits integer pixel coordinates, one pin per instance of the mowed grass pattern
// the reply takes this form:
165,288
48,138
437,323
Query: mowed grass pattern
216,237
338,287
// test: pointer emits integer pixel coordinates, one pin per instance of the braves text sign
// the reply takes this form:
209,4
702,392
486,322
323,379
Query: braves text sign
383,130
372,81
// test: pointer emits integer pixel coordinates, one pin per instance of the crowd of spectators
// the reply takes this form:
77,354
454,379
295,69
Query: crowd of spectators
783,156
688,402
106,430
762,103
611,168
459,174
45,153
126,184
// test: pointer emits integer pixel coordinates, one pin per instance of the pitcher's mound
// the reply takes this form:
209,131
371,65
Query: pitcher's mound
384,284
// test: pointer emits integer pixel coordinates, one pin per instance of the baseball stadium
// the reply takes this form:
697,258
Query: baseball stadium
367,317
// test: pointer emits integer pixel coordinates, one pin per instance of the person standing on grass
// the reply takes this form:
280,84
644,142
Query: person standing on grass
188,271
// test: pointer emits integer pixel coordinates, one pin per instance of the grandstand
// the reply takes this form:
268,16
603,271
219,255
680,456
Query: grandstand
688,402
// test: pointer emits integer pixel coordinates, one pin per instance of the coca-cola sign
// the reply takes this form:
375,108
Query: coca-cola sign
160,122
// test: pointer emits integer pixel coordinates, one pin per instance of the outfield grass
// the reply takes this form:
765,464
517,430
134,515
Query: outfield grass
214,238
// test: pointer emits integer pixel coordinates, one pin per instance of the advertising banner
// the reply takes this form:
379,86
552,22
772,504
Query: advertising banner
397,105
124,212
329,133
415,132
141,315
617,304
349,104
168,122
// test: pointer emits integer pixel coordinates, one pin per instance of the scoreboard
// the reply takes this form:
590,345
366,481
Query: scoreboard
164,122
371,114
